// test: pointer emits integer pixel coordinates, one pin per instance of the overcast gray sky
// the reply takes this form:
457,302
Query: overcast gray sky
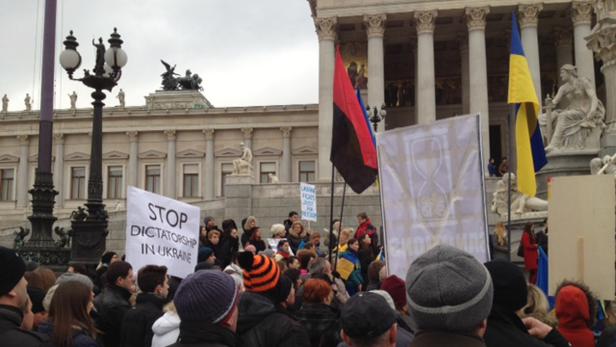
248,52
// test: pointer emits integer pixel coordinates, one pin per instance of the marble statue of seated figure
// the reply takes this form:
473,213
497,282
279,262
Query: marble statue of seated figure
243,165
574,117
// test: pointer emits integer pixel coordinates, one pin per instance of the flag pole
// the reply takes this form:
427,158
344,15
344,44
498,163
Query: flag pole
510,118
339,227
331,215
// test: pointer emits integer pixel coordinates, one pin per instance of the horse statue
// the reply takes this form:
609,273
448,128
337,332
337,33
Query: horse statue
190,81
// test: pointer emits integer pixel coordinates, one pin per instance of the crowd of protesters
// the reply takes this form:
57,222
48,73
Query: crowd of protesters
244,293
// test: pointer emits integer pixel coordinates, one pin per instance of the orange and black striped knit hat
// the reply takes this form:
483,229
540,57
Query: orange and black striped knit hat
261,274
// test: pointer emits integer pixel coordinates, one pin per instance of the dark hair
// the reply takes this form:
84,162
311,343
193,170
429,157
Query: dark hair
316,290
304,257
151,276
362,215
106,258
373,271
117,270
293,275
174,283
228,225
80,269
291,259
253,233
293,213
352,241
69,308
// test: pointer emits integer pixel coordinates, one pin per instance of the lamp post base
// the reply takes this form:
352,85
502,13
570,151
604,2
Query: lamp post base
88,232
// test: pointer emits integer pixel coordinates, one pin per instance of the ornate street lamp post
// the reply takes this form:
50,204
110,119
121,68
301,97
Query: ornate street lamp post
377,116
89,226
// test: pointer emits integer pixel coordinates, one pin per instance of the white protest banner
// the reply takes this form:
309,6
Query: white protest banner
308,193
432,190
161,231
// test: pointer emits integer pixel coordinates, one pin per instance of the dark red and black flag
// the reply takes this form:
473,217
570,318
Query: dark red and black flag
353,151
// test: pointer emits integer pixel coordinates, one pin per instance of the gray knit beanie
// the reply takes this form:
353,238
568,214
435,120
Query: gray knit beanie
75,277
449,290
206,296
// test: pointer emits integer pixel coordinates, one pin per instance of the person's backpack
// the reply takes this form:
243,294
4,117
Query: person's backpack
520,250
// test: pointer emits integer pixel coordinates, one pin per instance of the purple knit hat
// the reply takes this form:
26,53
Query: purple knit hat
206,296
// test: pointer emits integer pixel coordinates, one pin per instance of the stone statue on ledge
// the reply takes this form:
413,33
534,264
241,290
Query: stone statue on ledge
188,82
574,117
243,165
28,102
73,98
5,103
121,97
522,206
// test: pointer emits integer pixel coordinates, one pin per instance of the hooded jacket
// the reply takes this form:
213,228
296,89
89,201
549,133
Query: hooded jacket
166,330
574,314
262,324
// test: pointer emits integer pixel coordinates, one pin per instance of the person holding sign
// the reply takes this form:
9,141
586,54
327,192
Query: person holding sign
349,268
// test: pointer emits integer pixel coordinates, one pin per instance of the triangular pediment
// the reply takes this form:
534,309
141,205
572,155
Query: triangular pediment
229,152
152,154
76,156
115,155
34,158
7,158
267,151
304,150
190,153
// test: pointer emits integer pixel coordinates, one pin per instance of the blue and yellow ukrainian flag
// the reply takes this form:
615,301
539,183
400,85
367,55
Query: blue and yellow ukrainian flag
529,144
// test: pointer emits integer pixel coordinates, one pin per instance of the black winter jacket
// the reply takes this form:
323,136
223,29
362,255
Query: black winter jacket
262,324
12,336
321,322
111,306
507,330
204,334
137,326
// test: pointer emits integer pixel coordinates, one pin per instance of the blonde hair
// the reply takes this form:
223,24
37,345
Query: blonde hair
537,306
501,234
248,220
278,230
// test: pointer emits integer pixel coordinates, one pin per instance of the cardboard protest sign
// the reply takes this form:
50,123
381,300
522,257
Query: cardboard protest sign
432,190
581,225
161,231
308,193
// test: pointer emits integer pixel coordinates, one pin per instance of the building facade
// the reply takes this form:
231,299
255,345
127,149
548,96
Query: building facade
431,59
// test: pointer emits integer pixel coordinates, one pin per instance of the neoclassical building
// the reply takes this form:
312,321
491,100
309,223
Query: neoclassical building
423,59
431,59
177,145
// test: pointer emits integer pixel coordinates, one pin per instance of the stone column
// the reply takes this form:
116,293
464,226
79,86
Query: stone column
133,159
563,41
581,16
170,181
285,165
22,171
601,41
326,30
210,169
426,96
529,18
375,28
466,95
478,72
58,170
247,133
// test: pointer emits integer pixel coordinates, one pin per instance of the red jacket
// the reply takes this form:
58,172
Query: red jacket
573,313
365,228
531,255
